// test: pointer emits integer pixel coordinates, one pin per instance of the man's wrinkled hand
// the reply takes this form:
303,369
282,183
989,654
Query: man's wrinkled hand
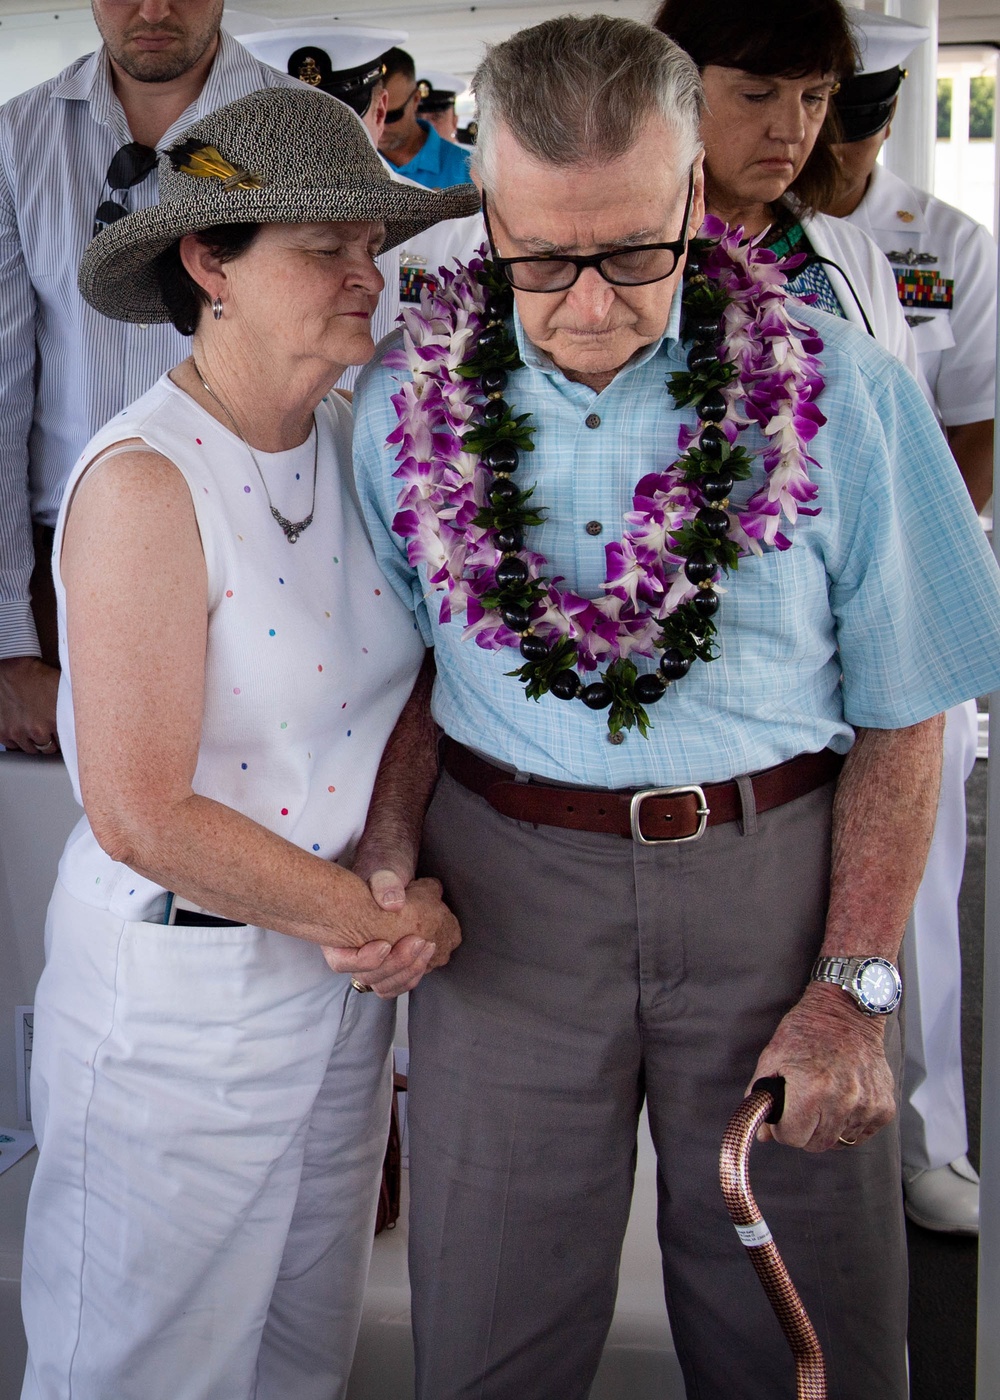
28,690
388,888
838,1087
435,921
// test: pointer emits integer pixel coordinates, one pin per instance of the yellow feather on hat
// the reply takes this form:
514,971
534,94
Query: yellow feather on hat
207,163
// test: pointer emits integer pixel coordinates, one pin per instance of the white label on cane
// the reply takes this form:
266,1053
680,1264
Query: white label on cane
754,1234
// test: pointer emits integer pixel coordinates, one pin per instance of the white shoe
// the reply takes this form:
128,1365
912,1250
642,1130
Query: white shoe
944,1198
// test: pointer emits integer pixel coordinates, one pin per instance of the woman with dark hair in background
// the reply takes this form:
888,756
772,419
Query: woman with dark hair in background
769,76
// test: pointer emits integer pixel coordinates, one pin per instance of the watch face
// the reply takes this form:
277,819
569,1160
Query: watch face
878,985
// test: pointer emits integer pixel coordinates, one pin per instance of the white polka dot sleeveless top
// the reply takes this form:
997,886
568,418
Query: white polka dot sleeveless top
310,656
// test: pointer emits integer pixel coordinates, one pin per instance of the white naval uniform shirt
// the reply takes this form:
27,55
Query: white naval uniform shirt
863,285
441,246
956,343
421,256
451,238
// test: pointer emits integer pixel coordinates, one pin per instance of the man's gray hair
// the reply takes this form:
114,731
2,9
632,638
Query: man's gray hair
577,91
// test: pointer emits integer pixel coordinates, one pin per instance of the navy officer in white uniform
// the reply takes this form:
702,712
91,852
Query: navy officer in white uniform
945,265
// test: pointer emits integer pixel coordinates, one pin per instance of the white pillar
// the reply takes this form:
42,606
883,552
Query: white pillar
909,152
988,1344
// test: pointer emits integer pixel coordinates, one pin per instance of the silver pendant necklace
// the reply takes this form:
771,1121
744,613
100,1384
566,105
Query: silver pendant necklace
291,529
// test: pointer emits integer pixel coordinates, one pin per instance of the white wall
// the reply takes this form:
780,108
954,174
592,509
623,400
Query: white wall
35,47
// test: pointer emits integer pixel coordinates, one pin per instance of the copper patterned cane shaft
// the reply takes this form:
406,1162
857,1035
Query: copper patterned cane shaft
810,1371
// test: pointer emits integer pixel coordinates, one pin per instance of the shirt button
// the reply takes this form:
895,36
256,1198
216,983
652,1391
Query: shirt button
593,420
594,527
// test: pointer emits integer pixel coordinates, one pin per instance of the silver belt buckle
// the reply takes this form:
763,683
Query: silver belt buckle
635,809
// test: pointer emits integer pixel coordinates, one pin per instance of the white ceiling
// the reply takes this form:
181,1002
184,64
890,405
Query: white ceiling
443,34
970,22
446,34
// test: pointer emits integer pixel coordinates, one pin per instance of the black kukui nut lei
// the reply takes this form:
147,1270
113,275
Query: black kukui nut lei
710,464
712,442
565,685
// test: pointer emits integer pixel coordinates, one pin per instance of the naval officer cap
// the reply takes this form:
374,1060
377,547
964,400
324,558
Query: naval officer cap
343,60
865,103
440,91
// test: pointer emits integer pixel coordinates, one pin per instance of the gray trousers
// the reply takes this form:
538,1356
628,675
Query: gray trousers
594,974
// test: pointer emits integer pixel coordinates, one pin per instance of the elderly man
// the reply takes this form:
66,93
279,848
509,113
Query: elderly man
624,943
76,152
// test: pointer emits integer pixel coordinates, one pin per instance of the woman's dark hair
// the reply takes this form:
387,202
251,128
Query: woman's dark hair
782,39
183,297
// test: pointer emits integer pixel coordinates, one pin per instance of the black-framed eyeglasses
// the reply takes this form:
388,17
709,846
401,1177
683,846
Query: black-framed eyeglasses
130,165
395,114
622,267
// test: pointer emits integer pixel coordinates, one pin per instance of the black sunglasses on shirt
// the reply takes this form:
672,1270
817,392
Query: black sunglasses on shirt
130,165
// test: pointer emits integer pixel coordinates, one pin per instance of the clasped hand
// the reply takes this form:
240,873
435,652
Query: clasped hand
838,1085
426,935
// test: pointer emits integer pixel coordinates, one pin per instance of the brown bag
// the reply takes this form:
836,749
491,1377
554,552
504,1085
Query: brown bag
391,1190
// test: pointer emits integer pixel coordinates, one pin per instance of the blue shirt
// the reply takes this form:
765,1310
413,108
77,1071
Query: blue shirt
438,163
885,611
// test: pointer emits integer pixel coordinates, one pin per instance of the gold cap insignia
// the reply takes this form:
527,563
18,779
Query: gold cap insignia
206,163
309,73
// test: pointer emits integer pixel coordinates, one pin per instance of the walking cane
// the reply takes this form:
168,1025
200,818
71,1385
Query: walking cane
765,1104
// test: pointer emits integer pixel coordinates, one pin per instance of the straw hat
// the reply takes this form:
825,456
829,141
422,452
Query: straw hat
284,155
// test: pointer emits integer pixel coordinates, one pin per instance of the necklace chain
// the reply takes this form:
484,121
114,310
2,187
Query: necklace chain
291,529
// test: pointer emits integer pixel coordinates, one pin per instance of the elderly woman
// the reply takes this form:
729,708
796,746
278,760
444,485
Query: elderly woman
210,1087
768,78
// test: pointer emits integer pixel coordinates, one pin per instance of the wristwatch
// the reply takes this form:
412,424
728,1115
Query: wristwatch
874,983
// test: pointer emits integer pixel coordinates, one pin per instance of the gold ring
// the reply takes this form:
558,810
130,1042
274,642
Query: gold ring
848,1142
359,986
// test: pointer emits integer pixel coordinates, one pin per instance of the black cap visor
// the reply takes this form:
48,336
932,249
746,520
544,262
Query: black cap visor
865,104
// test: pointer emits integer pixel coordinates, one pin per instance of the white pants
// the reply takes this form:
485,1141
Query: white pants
932,1121
211,1106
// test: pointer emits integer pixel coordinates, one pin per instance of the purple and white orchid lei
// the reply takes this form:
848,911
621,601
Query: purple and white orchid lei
774,383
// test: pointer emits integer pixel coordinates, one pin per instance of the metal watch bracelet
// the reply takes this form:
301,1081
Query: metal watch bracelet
849,973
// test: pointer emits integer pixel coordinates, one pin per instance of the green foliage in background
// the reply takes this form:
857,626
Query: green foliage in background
982,105
944,109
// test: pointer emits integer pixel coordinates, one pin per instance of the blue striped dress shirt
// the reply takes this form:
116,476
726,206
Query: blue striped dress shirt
65,368
885,611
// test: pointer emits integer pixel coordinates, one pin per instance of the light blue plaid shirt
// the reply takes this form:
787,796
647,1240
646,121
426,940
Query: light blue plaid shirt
885,611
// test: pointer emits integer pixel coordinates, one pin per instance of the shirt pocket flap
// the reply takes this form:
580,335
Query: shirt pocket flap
934,334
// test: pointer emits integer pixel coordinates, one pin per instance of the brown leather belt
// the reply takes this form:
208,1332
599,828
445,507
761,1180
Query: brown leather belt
648,815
